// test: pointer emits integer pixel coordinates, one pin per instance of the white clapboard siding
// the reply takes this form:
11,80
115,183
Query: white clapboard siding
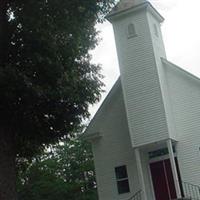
184,91
139,60
159,53
113,149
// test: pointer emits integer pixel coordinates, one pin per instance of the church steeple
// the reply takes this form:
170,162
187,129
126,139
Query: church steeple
137,28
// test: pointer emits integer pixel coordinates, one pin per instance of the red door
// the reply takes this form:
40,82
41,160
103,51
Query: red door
163,181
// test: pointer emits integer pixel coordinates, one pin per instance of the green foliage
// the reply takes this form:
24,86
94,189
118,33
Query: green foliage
47,80
63,172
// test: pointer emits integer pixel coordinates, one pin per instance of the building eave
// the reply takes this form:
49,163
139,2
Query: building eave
91,137
155,13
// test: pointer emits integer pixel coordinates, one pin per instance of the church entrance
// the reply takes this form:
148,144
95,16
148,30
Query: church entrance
162,178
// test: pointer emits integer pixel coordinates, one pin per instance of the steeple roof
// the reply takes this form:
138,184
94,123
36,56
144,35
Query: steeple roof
126,4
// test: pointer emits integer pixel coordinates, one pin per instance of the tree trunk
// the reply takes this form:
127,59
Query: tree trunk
7,167
3,31
7,150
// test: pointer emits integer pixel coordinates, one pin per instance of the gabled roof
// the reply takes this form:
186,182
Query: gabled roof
180,70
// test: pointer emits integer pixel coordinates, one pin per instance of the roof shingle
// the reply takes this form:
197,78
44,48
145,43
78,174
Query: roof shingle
126,4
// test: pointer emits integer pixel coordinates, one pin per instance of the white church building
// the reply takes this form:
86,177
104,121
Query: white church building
146,135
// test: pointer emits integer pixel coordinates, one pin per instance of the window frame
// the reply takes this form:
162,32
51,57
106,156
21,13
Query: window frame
122,180
131,31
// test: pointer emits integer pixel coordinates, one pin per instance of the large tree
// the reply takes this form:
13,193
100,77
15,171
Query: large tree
64,171
47,80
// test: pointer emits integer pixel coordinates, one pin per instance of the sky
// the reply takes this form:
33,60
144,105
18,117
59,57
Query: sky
181,34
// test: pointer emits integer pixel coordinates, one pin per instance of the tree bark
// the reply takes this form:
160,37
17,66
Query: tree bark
7,148
3,31
7,167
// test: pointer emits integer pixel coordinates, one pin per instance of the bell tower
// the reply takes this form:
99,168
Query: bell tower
140,47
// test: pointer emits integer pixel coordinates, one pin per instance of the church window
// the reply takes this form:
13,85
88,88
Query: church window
131,31
122,179
155,30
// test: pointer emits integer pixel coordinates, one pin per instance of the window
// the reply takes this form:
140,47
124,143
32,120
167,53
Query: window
122,179
160,152
155,30
131,31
